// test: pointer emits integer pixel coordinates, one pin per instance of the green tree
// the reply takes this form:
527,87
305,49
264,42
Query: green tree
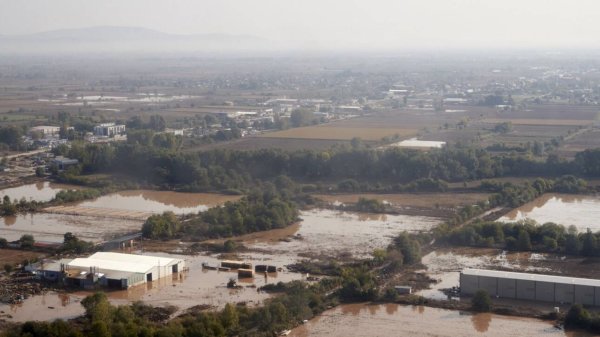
481,301
97,307
577,317
589,244
99,329
229,317
161,226
301,117
27,241
523,240
409,247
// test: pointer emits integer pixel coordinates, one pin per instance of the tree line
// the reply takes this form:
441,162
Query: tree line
526,235
391,169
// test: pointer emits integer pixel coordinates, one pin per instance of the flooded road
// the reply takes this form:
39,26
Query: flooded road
397,320
331,233
159,201
39,191
580,211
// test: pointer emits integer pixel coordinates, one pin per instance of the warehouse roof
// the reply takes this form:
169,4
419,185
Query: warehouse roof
532,277
122,262
103,265
134,258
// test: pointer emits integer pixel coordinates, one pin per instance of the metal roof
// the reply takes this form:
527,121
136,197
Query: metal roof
532,277
134,258
104,265
122,262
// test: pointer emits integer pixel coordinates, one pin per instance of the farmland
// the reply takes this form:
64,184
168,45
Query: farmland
338,132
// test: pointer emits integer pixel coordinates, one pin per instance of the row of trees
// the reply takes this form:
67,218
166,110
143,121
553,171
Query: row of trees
526,236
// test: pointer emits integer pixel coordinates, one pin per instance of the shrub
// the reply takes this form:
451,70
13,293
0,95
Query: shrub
481,301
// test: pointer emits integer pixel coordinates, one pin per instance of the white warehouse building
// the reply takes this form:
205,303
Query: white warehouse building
534,287
113,270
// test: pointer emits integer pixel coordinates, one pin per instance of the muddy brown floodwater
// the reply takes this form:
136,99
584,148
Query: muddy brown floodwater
46,307
197,287
397,320
331,233
99,219
52,227
580,211
159,201
39,191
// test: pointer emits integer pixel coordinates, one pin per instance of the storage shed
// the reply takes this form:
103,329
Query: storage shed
534,287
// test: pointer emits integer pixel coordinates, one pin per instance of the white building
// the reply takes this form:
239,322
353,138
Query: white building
45,130
109,129
113,270
533,287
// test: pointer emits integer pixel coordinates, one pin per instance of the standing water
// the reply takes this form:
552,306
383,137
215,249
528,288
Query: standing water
581,211
399,320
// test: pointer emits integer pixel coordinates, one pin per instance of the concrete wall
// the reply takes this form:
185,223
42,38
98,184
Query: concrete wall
526,290
531,290
507,288
544,291
584,295
489,284
565,293
469,284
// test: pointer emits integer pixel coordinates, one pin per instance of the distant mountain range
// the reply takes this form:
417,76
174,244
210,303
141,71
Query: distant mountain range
109,39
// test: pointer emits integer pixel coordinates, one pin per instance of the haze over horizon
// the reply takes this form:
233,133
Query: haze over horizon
331,24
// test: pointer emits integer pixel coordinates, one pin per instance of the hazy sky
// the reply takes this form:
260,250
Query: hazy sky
335,23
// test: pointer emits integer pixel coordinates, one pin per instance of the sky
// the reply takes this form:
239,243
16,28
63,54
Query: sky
357,24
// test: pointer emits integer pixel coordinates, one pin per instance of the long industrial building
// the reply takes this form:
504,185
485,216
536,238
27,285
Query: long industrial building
113,270
535,287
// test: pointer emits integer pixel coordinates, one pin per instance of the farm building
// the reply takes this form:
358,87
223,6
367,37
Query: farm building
536,287
112,270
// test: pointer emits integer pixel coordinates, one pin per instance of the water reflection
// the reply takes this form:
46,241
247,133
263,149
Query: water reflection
159,201
399,320
38,191
567,210
481,322
391,308
10,220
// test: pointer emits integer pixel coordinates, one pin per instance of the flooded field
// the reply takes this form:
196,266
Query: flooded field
159,201
40,191
46,307
52,227
580,211
424,200
357,234
398,320
102,218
